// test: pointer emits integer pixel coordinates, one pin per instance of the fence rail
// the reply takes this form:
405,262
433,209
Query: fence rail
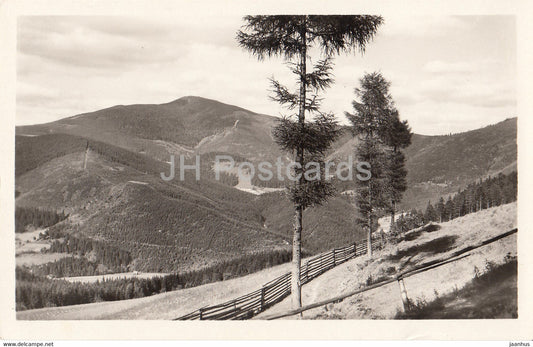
274,291
457,255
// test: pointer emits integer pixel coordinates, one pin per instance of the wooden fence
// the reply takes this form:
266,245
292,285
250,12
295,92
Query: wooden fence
455,256
249,305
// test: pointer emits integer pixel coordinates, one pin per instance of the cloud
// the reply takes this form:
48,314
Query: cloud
82,47
467,91
116,42
438,66
431,118
35,95
461,67
69,65
421,26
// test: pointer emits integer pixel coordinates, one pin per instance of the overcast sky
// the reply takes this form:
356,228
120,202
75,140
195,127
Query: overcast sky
448,74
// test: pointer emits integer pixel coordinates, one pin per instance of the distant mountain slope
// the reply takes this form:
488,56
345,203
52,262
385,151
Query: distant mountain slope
453,158
184,126
439,165
121,197
325,227
166,226
462,156
197,125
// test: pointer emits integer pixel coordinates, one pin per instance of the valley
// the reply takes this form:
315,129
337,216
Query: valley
382,303
102,169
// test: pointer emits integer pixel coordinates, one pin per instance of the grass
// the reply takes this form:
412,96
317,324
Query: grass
162,306
492,294
383,302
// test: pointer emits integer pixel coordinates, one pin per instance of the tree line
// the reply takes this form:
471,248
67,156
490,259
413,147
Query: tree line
39,218
111,256
36,291
480,195
69,267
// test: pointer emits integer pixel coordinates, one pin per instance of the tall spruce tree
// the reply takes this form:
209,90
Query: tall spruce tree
397,135
372,109
370,194
292,37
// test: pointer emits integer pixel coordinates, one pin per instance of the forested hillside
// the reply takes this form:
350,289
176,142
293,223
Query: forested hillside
94,181
464,156
36,217
35,290
485,193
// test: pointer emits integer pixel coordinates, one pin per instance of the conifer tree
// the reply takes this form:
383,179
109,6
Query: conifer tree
397,135
441,209
372,109
450,209
292,37
430,215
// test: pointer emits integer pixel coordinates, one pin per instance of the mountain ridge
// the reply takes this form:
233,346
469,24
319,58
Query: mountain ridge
133,143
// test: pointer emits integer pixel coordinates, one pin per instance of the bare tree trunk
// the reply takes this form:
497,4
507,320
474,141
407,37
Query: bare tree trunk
369,220
297,259
296,289
369,241
392,213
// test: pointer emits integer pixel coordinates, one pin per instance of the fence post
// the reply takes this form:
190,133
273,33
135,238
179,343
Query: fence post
334,258
403,294
354,250
262,298
201,314
307,271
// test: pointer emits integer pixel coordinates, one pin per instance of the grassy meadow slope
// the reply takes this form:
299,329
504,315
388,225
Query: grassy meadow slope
162,306
420,247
